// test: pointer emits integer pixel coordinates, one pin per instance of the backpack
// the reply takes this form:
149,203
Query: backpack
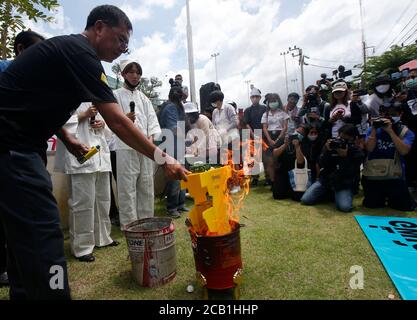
385,168
205,91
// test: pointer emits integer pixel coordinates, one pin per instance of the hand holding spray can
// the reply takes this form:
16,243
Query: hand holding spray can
89,154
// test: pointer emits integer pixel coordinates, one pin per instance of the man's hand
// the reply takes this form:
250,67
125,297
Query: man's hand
131,116
174,170
388,126
75,147
98,124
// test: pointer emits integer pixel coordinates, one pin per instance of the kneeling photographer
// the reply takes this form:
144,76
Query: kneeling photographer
290,154
340,163
387,142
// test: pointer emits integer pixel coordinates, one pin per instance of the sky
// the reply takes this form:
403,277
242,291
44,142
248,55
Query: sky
249,36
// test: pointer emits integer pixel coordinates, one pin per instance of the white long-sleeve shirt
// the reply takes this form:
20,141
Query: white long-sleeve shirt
146,119
65,162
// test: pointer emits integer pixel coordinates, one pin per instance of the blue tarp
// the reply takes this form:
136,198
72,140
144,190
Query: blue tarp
395,242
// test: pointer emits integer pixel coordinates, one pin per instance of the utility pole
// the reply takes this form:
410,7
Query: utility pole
301,62
247,84
190,55
363,83
215,55
286,73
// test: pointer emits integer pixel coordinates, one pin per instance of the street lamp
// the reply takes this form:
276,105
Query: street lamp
190,55
215,55
247,84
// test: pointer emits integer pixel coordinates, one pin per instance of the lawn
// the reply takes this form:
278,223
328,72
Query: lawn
289,252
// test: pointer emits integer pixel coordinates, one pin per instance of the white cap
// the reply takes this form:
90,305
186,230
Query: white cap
125,63
255,92
340,86
190,107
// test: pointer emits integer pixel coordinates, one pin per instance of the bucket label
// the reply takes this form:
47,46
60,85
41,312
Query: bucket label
136,245
169,238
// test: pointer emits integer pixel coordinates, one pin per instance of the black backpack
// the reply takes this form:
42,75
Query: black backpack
205,91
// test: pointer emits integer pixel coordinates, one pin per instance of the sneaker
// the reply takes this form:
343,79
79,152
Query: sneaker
4,280
183,209
174,214
235,189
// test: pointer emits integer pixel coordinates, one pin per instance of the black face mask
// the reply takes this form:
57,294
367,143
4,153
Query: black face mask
131,86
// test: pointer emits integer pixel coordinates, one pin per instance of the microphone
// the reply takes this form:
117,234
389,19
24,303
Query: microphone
132,106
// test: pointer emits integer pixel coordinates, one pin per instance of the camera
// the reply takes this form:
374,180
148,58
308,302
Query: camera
378,123
293,137
312,98
338,144
174,83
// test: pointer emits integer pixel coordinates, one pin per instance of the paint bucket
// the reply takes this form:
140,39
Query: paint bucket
151,245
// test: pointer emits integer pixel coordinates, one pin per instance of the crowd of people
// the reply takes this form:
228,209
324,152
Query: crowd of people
319,147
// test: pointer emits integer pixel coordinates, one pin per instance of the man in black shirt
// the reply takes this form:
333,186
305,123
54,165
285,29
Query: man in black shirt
252,119
38,92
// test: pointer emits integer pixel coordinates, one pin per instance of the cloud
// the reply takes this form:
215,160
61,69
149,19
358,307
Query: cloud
145,10
250,41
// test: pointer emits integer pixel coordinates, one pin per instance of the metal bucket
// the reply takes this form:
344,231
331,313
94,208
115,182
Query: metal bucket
151,245
218,259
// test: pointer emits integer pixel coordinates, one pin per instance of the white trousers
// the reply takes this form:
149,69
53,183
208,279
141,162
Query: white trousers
135,186
89,207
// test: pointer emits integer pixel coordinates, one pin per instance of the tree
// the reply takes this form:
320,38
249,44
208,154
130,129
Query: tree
118,72
11,19
389,62
148,86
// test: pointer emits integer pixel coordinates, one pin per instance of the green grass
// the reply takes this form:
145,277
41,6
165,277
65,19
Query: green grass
289,252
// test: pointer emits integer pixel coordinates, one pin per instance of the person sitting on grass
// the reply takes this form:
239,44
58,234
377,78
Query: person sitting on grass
387,142
294,148
340,163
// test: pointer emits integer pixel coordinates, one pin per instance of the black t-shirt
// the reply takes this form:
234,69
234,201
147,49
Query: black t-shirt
253,116
43,86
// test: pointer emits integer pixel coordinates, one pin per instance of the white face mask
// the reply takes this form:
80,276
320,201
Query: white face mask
274,105
396,119
312,137
383,88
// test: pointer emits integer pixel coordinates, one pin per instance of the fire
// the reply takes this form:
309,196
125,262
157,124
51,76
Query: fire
218,214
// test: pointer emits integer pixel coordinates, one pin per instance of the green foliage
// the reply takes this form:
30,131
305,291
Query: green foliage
389,62
148,86
12,13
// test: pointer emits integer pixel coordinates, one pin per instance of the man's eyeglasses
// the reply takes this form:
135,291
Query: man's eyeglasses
123,43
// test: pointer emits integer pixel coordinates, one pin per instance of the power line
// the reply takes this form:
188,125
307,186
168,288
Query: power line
335,61
407,34
399,34
396,22
415,31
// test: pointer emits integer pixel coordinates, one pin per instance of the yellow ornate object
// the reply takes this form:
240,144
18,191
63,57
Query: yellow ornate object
210,215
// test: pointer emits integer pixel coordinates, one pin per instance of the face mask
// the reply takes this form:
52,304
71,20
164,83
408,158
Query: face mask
411,84
396,119
383,88
274,105
214,105
312,138
131,86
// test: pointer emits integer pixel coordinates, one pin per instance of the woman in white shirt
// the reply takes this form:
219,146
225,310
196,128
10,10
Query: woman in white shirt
275,127
340,109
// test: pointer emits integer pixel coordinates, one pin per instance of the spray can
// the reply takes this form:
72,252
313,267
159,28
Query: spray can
89,154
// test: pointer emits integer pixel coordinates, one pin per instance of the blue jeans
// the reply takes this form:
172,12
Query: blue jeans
317,192
175,196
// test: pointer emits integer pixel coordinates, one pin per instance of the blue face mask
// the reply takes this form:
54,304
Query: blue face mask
411,84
